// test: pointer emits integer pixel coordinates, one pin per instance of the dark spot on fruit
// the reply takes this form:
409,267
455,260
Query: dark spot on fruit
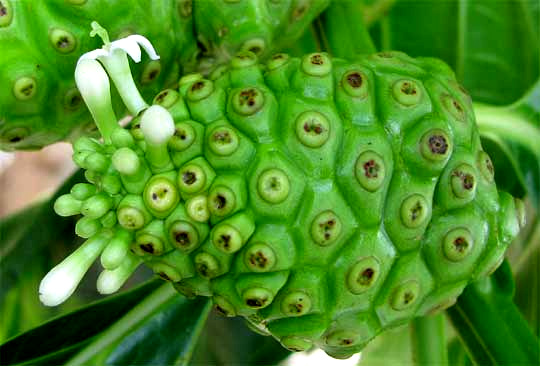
438,144
63,42
164,276
203,269
148,248
346,341
162,96
27,90
317,60
256,303
408,88
457,106
296,307
467,180
355,79
182,238
222,311
197,86
154,196
189,178
408,297
220,201
278,56
75,101
226,240
371,169
461,244
416,211
255,49
489,165
247,97
258,259
3,9
180,134
223,137
15,139
313,126
153,74
385,55
366,276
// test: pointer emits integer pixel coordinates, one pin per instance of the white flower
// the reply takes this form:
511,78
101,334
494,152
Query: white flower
113,57
93,83
62,280
130,45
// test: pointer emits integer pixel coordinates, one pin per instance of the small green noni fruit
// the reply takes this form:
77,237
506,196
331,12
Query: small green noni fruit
41,42
324,200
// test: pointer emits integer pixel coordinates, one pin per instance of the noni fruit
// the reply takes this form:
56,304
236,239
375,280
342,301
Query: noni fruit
41,41
324,200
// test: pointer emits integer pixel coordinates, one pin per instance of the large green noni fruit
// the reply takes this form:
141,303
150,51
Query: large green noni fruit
324,200
42,40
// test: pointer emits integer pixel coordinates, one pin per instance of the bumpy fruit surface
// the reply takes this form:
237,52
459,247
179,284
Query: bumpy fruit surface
42,40
323,200
260,26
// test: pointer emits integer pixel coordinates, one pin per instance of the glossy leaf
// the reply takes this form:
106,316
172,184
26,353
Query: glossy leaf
163,329
60,337
528,280
512,135
492,45
490,324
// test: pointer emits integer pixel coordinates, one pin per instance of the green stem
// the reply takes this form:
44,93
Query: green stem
429,340
490,324
508,123
344,30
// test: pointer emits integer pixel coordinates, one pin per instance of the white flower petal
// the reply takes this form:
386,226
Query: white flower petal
61,281
93,55
58,285
129,46
146,45
92,81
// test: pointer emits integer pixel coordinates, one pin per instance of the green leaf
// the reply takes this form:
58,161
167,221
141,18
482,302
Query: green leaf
492,45
64,335
162,330
511,135
528,280
457,354
228,341
491,326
